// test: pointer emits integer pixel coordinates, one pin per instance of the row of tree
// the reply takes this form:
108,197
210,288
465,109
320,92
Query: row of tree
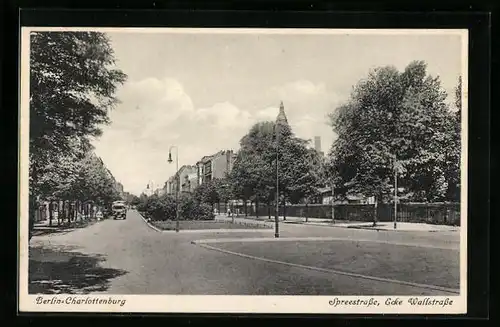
394,124
253,179
399,124
72,89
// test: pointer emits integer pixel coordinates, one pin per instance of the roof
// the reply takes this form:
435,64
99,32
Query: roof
210,157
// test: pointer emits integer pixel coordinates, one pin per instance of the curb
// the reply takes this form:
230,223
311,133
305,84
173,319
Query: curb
254,224
402,230
217,231
206,230
337,272
147,223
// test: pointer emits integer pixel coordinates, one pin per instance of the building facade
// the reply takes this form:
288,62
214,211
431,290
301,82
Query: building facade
215,166
170,185
186,174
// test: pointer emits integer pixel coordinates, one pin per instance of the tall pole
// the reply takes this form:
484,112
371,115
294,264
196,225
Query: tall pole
395,194
177,190
333,202
276,217
178,182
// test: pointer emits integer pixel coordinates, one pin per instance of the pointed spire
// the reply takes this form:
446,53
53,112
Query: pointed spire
281,118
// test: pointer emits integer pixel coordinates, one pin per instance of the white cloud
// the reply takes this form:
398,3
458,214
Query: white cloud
155,114
223,115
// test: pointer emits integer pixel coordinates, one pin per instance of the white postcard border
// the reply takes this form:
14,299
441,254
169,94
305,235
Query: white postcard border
231,303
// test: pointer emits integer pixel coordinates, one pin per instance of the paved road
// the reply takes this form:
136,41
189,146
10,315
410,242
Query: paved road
139,260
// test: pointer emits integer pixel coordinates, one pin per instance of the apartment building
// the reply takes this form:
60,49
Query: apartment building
215,166
186,175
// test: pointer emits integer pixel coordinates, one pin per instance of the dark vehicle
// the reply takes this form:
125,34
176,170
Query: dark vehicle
119,210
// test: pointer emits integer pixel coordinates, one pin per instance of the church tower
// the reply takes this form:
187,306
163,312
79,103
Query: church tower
281,119
281,124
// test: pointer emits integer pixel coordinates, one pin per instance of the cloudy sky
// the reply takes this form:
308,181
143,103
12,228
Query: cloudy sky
202,92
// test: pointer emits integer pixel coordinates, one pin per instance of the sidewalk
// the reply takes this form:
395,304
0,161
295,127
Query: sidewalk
289,220
389,226
43,227
385,226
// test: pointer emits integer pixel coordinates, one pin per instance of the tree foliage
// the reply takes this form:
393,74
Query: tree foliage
72,89
254,173
395,121
72,86
207,193
164,207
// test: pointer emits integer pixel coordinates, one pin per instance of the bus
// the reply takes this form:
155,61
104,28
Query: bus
119,210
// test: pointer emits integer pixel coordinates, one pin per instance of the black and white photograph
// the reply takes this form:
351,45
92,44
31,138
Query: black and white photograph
243,170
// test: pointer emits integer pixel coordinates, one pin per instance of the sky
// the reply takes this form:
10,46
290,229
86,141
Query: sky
202,92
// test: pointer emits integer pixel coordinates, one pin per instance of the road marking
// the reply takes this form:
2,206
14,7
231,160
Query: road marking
337,272
307,239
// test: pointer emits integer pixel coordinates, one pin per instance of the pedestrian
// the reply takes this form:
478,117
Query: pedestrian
229,212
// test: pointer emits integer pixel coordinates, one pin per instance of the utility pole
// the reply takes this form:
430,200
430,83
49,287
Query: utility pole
178,182
276,217
395,194
333,202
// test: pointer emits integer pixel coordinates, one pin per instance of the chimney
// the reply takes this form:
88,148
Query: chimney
317,143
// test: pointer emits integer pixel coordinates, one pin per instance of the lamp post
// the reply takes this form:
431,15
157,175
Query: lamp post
332,186
395,193
276,217
177,182
333,201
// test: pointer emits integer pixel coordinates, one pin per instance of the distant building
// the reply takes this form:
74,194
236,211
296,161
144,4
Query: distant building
193,182
182,180
186,174
170,185
215,166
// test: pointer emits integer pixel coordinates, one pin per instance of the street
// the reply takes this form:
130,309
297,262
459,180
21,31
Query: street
128,257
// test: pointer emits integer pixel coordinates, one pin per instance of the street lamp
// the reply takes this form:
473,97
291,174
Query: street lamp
276,217
332,186
178,183
396,166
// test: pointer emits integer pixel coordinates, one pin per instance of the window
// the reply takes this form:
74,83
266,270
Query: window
207,169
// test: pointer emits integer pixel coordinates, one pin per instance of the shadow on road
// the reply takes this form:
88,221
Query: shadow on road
39,230
59,271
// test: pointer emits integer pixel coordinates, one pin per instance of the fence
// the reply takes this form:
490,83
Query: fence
431,213
63,210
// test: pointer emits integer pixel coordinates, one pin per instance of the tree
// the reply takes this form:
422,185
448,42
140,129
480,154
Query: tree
452,166
252,175
254,172
133,200
72,87
207,193
393,121
223,189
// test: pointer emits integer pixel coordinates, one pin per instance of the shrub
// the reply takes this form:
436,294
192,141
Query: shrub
164,208
205,212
